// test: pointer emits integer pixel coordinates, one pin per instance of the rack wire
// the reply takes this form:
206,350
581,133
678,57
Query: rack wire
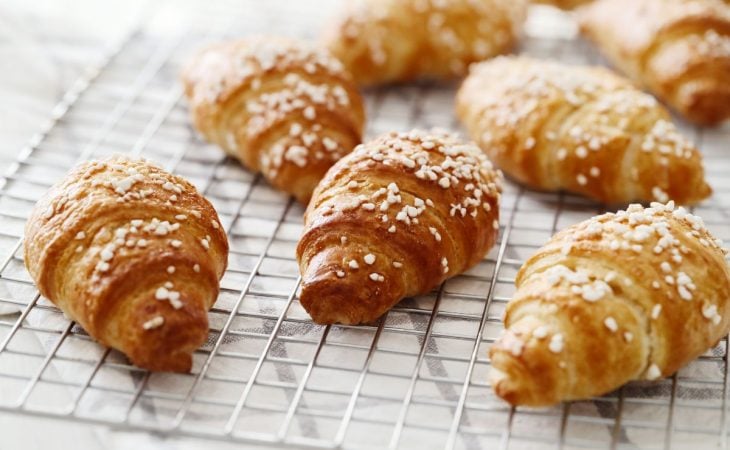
417,378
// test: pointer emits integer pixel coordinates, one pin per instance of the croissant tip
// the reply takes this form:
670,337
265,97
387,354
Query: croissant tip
330,300
513,391
317,298
707,191
515,382
704,102
498,380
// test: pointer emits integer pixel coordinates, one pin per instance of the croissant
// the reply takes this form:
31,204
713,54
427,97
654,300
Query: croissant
133,254
282,107
678,49
393,219
579,129
625,296
385,41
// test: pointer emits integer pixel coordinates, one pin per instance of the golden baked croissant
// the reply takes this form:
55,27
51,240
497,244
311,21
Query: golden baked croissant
625,296
133,254
282,107
384,41
678,49
393,219
579,129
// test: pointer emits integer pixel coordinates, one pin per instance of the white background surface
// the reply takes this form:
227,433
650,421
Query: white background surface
44,45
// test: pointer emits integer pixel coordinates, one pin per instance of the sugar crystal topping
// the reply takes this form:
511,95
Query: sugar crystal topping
220,70
431,157
222,67
653,372
494,93
557,342
710,44
659,229
661,233
153,323
129,180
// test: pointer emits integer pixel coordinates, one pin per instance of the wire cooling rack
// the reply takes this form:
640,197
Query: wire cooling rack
417,378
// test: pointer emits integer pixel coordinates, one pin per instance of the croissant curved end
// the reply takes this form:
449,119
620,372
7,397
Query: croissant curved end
704,101
170,346
503,385
513,382
328,301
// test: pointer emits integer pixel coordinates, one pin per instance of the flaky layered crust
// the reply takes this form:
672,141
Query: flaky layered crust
581,129
282,107
395,218
625,296
131,253
678,49
385,41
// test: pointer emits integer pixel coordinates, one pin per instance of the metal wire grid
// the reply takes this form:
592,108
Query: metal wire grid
415,379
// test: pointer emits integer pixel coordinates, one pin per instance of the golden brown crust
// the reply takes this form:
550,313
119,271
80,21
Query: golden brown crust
282,107
385,41
580,129
133,254
395,218
619,297
563,4
680,50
